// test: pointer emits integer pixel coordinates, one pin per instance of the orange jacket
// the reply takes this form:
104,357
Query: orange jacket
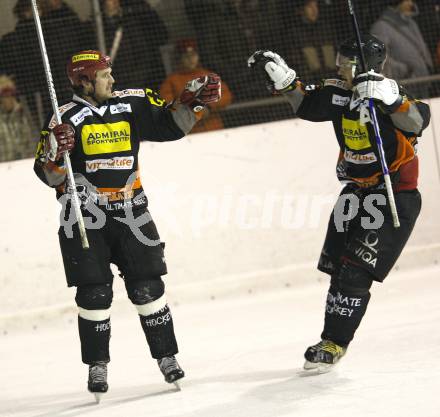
174,85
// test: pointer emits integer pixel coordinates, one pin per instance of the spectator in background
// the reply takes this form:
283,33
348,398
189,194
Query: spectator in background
64,33
367,12
429,23
311,47
336,13
189,68
21,58
221,41
256,22
134,33
15,125
409,56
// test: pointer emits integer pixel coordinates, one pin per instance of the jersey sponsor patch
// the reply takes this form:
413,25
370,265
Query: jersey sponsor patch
356,136
106,138
120,108
118,162
310,87
138,92
79,117
340,100
358,158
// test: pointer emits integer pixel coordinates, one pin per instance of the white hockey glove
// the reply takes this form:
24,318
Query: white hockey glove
279,75
376,86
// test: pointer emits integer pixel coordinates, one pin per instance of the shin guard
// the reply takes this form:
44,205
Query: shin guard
95,340
159,331
347,302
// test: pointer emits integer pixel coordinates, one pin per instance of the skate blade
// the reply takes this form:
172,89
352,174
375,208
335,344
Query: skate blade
177,386
318,367
98,396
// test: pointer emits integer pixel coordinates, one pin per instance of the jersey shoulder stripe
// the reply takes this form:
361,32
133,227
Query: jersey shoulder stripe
62,110
130,92
334,82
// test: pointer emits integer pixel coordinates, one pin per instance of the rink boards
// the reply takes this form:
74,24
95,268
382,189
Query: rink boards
239,209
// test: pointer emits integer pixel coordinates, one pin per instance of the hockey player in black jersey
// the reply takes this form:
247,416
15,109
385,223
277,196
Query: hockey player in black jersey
357,252
102,130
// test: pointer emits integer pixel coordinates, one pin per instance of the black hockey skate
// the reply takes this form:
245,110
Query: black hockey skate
323,356
97,383
171,370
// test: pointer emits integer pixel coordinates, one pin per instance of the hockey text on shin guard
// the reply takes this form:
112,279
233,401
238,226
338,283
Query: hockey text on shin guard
339,304
159,332
347,301
343,314
95,339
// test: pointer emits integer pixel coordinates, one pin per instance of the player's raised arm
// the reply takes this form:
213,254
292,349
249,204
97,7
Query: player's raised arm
311,102
161,122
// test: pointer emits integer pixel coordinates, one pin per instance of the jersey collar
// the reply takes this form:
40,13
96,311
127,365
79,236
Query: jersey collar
101,110
354,102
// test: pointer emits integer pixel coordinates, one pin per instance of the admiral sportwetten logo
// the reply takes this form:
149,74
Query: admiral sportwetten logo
106,138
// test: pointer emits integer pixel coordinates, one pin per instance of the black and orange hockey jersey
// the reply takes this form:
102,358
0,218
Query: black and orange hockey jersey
358,160
107,139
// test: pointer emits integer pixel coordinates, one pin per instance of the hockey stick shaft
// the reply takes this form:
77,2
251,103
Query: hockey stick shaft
54,102
116,43
379,142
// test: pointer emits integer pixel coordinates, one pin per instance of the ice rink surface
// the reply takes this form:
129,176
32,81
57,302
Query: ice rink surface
242,244
243,358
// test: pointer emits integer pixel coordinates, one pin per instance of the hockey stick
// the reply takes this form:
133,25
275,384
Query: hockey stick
386,172
116,43
54,101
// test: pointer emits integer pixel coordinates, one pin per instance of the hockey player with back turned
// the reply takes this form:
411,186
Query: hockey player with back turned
357,251
102,131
